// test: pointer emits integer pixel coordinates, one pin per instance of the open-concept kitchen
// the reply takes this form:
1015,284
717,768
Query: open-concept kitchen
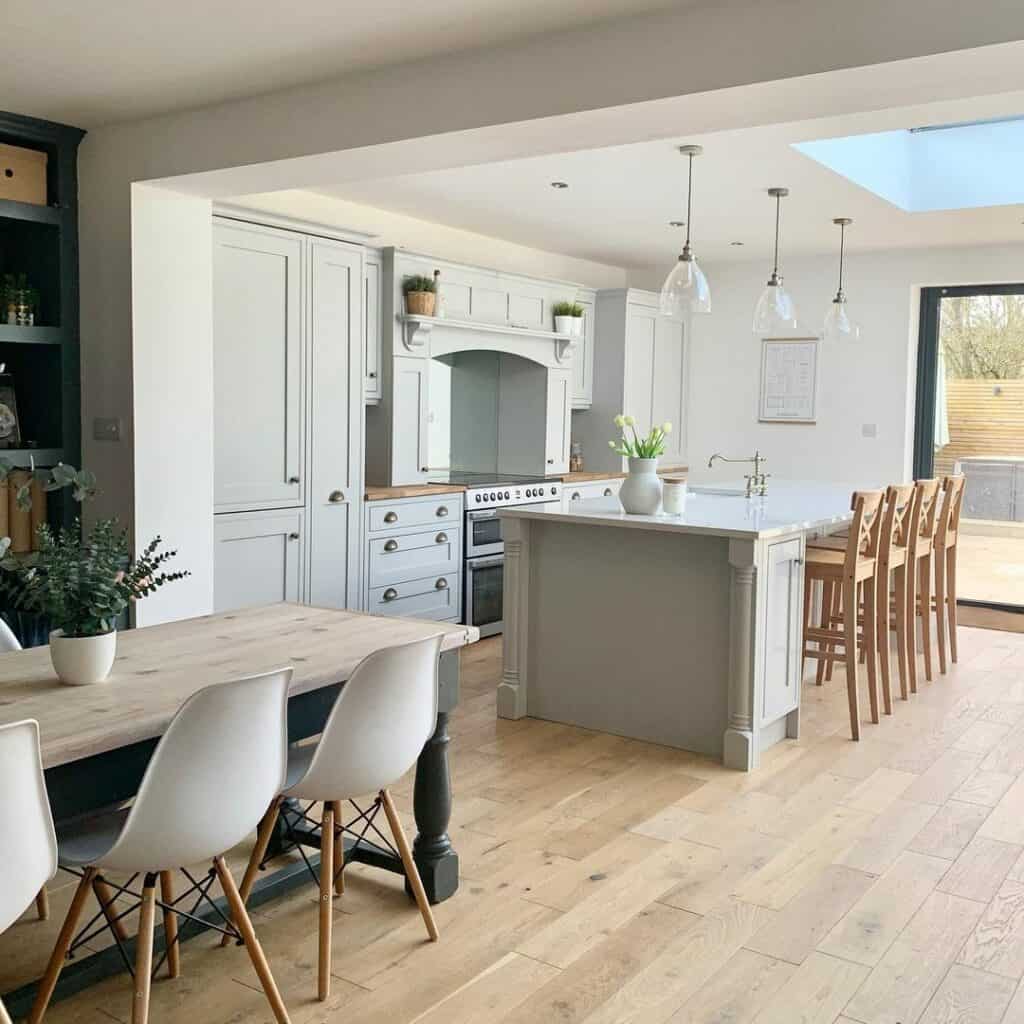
513,519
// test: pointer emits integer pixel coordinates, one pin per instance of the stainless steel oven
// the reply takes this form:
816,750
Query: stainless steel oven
483,533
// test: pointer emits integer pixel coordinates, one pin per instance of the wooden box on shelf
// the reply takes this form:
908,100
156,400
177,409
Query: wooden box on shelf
22,174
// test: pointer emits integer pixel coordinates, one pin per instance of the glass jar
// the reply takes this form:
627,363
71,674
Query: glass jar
575,457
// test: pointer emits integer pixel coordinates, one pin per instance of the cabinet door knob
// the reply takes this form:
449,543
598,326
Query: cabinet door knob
390,517
336,496
442,511
441,538
372,375
390,594
293,479
293,536
576,496
391,545
441,584
608,492
424,469
551,462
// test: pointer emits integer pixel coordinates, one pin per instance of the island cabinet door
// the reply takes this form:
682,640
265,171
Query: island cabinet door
782,618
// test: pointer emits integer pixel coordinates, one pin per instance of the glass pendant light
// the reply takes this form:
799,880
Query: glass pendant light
686,288
775,312
838,325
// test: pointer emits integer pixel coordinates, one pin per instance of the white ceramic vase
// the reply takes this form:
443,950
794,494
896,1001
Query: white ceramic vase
82,660
640,493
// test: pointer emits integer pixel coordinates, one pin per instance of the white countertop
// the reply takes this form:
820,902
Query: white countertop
722,510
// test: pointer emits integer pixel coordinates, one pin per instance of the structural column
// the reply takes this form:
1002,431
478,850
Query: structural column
515,612
740,747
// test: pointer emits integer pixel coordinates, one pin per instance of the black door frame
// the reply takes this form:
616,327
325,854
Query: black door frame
927,370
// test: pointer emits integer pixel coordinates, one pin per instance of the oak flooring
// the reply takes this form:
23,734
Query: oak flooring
607,881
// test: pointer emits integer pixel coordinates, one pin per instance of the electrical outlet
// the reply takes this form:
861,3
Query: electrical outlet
106,428
869,430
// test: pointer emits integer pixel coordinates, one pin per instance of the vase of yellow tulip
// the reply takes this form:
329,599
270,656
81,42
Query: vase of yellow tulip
641,490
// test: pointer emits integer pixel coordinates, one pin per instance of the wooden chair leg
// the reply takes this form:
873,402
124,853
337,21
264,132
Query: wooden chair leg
882,638
411,871
925,608
323,985
940,610
850,646
901,631
339,851
170,925
244,924
144,953
835,610
823,621
911,623
107,901
869,649
42,907
808,600
263,834
951,599
48,983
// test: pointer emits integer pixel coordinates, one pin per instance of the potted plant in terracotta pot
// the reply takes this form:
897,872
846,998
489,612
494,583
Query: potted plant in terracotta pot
420,294
83,584
568,319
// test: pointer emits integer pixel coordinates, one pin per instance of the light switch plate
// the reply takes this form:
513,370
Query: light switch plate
869,430
106,428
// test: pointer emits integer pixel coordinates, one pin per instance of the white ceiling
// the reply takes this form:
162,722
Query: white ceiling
95,62
619,201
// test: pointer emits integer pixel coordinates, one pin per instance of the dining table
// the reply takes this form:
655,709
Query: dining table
97,740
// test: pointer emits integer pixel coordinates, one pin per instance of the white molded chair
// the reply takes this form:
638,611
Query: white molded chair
222,758
28,846
380,722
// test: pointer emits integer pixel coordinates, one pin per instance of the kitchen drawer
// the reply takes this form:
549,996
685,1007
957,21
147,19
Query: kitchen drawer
444,510
590,490
436,597
413,556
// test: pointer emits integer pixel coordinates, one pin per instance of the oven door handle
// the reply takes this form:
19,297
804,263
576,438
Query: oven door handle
484,563
477,516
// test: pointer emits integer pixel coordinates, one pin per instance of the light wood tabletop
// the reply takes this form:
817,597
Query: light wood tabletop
159,667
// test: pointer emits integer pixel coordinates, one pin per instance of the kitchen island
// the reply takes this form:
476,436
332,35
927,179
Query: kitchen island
681,630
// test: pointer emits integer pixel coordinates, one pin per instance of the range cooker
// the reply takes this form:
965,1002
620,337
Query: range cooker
483,547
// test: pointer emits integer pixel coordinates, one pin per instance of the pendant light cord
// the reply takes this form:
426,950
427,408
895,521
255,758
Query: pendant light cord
842,254
689,199
778,214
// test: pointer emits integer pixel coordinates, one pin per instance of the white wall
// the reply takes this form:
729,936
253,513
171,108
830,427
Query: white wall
870,382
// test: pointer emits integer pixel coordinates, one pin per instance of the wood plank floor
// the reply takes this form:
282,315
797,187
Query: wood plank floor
606,880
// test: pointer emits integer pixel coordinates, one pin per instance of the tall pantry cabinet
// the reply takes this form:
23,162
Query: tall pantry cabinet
288,402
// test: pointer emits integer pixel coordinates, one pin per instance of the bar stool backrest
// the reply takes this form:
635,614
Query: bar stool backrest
28,846
383,716
952,503
865,530
929,506
212,776
902,510
8,641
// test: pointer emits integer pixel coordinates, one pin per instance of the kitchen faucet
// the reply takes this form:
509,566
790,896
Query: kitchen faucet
757,482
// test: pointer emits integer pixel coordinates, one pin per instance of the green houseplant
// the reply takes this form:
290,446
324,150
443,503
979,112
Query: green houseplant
568,318
420,297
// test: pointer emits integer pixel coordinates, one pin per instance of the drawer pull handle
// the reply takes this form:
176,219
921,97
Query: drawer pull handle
576,496
441,584
607,492
293,536
336,496
442,511
390,594
391,545
293,479
441,538
390,517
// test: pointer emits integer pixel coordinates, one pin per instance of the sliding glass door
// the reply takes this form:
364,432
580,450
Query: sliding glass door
970,420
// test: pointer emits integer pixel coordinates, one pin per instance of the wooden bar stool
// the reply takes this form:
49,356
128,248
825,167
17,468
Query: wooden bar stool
919,584
852,571
945,565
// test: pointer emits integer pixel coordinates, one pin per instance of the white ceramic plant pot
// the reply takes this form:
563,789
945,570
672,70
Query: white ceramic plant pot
571,326
82,660
640,493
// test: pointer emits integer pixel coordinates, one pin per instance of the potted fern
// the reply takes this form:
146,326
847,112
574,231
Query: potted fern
568,319
420,297
640,493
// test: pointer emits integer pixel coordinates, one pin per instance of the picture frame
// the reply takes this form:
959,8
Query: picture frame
789,380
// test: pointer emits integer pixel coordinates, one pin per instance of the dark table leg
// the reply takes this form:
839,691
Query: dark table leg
432,849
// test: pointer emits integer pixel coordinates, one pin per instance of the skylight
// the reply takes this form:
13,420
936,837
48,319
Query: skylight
933,167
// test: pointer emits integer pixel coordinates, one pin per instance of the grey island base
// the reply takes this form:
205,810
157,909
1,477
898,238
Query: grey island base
684,631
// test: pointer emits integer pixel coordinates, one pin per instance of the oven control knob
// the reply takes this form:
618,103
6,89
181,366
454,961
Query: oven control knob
553,491
507,495
477,499
538,492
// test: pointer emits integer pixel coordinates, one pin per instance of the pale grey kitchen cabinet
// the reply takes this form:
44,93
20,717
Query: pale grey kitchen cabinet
371,330
288,387
258,558
411,411
258,367
583,359
558,421
783,599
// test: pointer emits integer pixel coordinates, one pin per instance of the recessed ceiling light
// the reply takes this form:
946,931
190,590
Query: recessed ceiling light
559,184
677,223
736,243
